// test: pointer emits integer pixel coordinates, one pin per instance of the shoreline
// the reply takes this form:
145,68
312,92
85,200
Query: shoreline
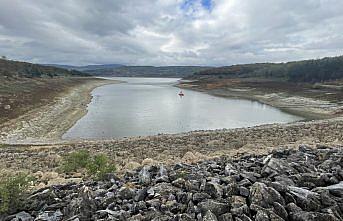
309,109
40,124
167,149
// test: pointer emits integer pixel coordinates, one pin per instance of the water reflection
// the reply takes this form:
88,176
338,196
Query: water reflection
147,106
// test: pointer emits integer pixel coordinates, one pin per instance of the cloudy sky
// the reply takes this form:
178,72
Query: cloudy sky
170,32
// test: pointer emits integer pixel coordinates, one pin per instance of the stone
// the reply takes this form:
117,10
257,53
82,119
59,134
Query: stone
213,189
141,194
199,197
144,176
307,200
261,215
280,210
209,216
217,208
293,208
180,182
277,167
126,193
226,217
336,190
23,216
243,191
264,196
312,216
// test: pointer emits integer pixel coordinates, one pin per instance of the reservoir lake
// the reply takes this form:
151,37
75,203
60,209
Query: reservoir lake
151,106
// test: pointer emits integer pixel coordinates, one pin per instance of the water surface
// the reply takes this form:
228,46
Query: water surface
149,106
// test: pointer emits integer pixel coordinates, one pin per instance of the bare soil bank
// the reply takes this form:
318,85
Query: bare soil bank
48,119
167,149
310,101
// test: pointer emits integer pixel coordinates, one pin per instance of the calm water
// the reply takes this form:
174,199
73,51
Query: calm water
148,106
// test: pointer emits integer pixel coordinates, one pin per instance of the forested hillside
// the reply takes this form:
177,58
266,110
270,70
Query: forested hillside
299,71
15,69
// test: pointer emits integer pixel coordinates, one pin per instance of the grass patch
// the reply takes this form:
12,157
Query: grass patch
96,166
13,190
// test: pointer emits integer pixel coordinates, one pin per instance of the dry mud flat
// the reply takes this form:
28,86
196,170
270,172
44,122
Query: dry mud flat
49,122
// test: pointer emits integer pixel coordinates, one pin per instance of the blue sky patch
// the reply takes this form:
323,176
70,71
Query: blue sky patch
188,4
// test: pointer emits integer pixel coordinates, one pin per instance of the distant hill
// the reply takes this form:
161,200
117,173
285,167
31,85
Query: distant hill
85,68
15,69
298,71
148,71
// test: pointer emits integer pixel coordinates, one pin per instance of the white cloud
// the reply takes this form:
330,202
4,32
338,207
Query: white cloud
163,32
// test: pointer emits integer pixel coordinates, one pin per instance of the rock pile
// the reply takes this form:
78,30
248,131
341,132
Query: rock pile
297,185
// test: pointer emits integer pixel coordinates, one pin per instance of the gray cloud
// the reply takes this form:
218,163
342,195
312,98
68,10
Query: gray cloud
162,32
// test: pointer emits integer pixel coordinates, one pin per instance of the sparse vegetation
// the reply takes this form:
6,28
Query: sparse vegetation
13,189
97,165
100,165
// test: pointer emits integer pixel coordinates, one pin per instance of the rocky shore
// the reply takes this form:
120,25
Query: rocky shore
288,184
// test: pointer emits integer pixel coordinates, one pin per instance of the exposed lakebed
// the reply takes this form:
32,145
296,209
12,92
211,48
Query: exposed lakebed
149,106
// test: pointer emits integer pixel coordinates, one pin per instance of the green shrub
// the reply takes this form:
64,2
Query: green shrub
97,165
12,191
75,161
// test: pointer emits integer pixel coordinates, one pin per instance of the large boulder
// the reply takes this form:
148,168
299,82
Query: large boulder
263,196
217,208
276,166
306,199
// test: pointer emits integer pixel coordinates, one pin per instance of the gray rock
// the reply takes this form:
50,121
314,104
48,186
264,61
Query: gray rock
312,216
209,216
264,196
307,200
141,194
126,193
243,191
199,197
216,207
22,216
226,217
245,218
180,182
293,208
280,210
213,189
277,167
261,215
145,176
52,216
336,190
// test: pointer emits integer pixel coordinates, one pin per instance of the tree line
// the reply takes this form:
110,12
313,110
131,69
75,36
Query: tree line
318,70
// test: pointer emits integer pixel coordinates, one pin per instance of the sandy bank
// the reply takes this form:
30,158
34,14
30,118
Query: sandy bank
49,122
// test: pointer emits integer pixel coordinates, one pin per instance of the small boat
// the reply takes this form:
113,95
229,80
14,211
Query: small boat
181,94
